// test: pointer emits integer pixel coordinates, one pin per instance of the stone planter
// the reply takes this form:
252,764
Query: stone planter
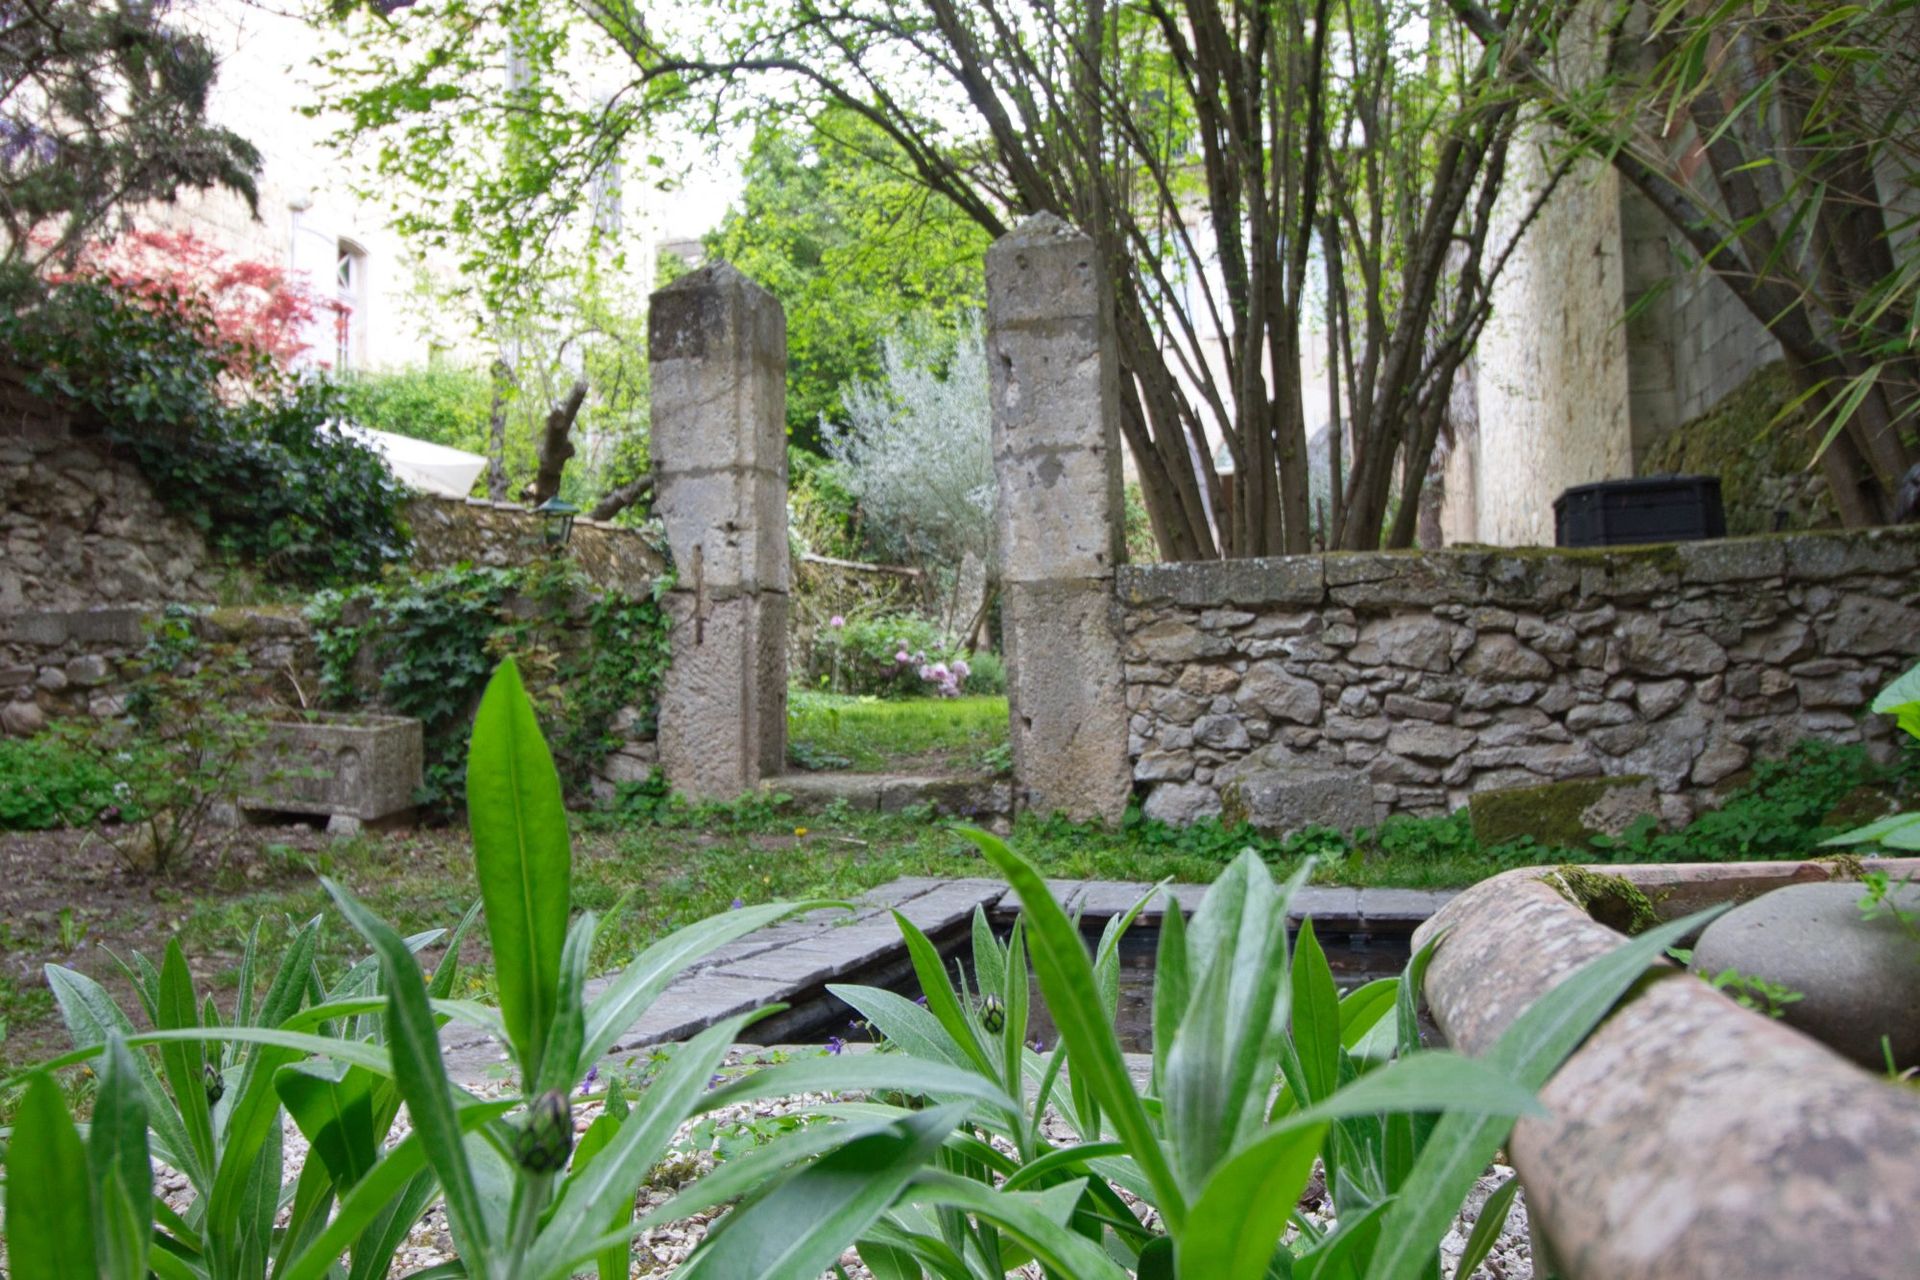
346,764
1688,1136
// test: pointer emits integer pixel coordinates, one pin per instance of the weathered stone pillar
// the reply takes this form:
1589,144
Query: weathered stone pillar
718,346
1055,385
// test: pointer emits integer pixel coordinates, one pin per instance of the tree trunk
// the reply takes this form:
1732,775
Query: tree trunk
555,445
502,375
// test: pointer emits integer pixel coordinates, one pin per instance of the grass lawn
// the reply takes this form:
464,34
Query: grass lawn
875,735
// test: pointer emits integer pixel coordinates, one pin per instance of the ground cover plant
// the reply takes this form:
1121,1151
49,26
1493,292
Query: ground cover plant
900,1169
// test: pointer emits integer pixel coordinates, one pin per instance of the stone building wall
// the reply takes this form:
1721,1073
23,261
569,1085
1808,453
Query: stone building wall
1552,362
1343,688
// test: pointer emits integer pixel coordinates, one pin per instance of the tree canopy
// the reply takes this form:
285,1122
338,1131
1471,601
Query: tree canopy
103,107
832,222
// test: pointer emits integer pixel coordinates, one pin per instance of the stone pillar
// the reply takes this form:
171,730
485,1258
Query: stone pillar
718,347
1054,380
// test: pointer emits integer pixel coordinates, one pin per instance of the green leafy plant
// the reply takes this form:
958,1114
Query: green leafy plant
47,781
187,741
340,1059
433,638
1262,1069
1901,700
232,442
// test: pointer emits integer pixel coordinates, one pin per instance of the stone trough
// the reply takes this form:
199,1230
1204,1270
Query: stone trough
1688,1136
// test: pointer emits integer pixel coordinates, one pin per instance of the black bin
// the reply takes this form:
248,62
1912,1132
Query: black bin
1617,513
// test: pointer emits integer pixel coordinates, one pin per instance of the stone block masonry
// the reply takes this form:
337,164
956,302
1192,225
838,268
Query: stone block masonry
1053,383
1432,675
718,343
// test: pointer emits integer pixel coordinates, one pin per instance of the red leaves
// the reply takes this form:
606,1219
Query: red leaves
261,306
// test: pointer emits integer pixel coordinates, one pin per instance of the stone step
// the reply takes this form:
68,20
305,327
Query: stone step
957,796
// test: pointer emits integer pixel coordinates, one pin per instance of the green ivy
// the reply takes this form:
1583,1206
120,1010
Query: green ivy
244,450
434,638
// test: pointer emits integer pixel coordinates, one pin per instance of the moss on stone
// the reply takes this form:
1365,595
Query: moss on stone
1762,467
1551,814
1611,900
1849,866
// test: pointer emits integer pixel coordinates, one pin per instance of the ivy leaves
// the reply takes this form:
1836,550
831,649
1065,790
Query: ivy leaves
238,446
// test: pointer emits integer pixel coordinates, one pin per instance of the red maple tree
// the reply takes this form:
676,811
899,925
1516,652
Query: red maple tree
259,305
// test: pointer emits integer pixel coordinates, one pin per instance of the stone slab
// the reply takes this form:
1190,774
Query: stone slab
1402,906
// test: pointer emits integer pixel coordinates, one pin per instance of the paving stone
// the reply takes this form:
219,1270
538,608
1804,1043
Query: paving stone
794,967
951,905
1401,905
1065,892
1189,896
1323,905
1107,898
687,1009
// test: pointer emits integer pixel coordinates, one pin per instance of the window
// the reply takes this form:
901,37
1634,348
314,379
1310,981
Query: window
350,294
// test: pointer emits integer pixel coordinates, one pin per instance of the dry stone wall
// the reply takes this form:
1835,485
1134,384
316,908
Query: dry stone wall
1342,688
82,529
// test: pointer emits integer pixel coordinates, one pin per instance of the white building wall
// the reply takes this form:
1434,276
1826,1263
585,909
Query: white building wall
307,208
1552,382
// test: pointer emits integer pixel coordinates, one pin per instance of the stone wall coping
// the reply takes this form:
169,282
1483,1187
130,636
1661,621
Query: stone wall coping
1517,573
1758,1143
515,508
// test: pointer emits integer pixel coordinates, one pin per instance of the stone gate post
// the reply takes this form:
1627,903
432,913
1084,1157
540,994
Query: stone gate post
718,347
1054,381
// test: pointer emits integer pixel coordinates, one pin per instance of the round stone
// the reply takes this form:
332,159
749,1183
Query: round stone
1859,978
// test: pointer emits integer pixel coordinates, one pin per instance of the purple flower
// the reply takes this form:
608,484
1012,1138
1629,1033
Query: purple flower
902,657
961,669
735,905
836,621
921,1001
586,1086
835,1044
940,671
926,673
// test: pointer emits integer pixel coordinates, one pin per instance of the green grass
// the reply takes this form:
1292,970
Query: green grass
875,735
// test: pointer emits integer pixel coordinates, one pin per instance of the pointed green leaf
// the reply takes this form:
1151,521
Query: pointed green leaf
1316,1016
1072,995
332,1104
117,1162
798,1230
422,1079
1487,1228
49,1222
523,860
185,1061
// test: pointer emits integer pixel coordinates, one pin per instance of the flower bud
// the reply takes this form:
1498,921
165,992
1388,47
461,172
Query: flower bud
546,1135
993,1015
216,1084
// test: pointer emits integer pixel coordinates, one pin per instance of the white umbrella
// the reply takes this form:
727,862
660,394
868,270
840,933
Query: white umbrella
420,464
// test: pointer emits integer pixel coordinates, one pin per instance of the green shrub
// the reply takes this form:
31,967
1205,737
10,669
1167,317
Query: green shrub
444,405
47,782
242,449
986,676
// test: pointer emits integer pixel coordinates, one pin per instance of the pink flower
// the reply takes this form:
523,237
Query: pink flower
961,669
902,657
940,672
836,621
926,673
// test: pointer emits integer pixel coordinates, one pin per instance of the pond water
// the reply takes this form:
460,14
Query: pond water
1355,958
